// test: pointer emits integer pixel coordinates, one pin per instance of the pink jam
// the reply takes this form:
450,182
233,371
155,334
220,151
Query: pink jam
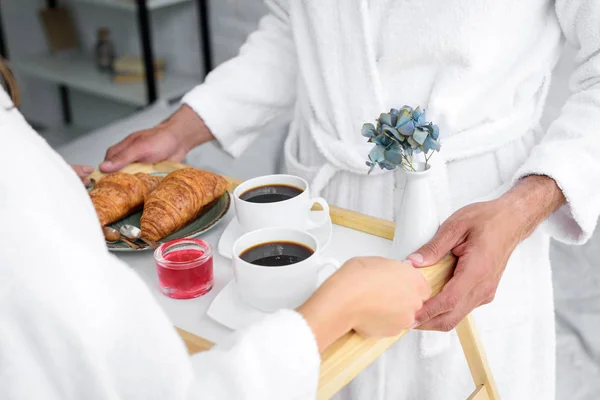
185,268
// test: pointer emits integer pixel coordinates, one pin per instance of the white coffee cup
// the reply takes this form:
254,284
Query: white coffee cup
291,213
288,286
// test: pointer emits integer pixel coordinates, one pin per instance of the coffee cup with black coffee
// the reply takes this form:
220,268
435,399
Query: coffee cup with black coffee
277,201
278,268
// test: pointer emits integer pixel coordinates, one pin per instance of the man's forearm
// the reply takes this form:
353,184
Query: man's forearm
189,127
534,198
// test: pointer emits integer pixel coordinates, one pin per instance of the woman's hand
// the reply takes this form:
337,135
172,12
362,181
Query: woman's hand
83,172
482,236
170,140
372,295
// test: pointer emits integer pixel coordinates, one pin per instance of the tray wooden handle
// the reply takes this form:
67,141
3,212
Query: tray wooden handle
349,355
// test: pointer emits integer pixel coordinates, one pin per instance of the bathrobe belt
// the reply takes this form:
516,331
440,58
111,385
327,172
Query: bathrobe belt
340,155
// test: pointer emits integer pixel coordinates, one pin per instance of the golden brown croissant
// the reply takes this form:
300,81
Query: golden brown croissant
179,199
117,195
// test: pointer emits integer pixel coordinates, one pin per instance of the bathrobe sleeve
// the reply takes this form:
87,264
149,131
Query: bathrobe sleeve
243,95
570,150
276,358
77,323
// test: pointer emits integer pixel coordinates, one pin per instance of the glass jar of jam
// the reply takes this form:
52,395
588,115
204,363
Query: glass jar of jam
185,268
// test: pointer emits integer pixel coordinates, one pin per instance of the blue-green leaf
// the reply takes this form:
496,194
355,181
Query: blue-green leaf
391,131
368,130
388,166
393,156
419,136
419,116
435,131
403,117
371,166
407,129
386,119
436,145
393,111
427,145
383,140
376,154
412,142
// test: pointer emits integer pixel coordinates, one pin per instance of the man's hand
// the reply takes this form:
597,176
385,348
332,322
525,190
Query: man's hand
83,172
170,140
482,236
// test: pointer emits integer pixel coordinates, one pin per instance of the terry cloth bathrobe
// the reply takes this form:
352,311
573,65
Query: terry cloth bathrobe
78,324
481,69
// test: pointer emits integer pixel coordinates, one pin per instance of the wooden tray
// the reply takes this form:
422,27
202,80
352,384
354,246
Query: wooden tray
347,357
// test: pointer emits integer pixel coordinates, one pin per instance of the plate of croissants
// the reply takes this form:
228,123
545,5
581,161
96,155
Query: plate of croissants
165,206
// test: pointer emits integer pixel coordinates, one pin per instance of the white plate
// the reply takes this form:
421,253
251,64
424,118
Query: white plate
234,231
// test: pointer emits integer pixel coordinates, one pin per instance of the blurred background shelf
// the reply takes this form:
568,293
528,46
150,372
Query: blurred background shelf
130,5
78,71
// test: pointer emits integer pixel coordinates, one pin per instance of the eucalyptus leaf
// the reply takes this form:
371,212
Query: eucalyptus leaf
419,116
412,142
403,117
433,144
420,135
393,156
368,130
427,145
385,119
388,166
391,131
383,141
376,154
435,131
407,129
371,167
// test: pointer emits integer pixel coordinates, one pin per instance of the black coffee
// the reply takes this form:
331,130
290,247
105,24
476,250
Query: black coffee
276,254
270,193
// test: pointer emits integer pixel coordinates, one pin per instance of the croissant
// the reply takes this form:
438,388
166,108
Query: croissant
118,195
180,198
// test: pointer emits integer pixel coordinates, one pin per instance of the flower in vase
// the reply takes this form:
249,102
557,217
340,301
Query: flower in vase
398,135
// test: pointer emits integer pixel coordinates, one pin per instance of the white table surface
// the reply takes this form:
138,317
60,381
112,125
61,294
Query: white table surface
191,314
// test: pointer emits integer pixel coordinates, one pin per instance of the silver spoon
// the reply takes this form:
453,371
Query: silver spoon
134,233
112,235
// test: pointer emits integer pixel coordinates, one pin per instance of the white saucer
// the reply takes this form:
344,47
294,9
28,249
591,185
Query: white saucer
234,231
229,310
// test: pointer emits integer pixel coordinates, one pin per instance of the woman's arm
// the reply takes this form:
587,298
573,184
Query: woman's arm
278,358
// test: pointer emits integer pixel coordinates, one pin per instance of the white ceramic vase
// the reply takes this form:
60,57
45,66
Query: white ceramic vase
417,218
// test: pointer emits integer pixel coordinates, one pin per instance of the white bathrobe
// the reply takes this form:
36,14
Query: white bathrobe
76,323
481,69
